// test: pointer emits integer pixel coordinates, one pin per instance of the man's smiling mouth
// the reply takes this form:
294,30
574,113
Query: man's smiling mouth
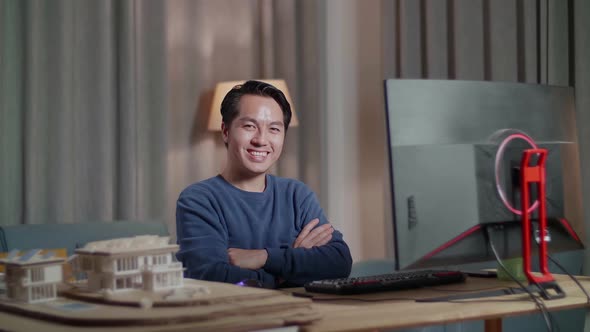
258,153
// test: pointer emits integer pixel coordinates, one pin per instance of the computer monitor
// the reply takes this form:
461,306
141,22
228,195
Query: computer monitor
443,139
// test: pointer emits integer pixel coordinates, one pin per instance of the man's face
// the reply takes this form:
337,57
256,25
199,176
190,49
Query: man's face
255,137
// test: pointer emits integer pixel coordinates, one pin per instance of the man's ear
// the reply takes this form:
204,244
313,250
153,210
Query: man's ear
224,132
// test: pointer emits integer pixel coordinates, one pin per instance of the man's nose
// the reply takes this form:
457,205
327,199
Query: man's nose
260,138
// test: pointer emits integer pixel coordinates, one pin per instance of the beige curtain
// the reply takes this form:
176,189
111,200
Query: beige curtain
105,103
213,41
83,121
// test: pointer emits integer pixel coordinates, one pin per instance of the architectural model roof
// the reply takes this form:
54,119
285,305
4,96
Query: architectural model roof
128,245
31,257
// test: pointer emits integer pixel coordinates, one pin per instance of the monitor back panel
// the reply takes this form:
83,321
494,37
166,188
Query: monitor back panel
442,157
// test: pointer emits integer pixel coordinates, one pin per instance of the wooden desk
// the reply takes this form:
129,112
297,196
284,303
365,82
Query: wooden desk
399,310
391,310
197,306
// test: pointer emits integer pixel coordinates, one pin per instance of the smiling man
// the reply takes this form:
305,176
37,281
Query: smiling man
246,224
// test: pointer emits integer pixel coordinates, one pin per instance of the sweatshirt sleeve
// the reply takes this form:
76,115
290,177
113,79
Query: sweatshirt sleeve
203,242
299,265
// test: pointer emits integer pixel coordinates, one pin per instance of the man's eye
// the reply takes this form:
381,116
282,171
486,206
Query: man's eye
275,130
249,126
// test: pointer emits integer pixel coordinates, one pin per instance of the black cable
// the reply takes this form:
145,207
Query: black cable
539,303
463,290
362,300
341,298
572,277
568,273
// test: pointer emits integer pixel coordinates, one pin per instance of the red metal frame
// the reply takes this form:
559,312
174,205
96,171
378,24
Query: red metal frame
534,174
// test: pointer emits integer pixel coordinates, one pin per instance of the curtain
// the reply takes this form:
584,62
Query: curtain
225,40
105,103
83,121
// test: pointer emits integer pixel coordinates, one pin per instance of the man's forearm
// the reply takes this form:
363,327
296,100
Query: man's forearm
252,259
300,265
225,272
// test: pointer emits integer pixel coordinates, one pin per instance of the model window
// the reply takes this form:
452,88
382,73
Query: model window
36,292
165,279
86,263
120,284
133,263
137,281
128,282
162,260
37,274
42,292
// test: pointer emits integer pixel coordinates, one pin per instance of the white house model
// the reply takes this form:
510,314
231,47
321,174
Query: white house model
32,277
140,262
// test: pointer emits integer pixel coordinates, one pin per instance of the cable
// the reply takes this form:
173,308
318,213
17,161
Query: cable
571,276
568,273
512,134
341,298
539,303
463,290
362,300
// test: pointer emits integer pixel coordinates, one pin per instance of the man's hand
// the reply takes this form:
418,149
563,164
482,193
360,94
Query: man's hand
313,237
252,259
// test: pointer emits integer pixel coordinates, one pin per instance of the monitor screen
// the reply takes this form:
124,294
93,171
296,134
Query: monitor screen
447,181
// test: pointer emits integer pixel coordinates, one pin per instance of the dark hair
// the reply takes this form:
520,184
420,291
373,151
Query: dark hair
231,101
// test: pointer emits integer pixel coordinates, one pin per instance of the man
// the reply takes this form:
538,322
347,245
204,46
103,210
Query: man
247,224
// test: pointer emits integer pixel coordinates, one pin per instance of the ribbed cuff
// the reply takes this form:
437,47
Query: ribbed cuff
275,261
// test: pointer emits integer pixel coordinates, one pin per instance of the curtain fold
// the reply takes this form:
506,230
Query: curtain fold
103,101
11,98
83,94
104,104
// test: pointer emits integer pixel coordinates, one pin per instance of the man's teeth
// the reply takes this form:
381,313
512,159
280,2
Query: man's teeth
260,154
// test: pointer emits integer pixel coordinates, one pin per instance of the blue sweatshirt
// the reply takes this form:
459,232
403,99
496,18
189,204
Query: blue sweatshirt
213,215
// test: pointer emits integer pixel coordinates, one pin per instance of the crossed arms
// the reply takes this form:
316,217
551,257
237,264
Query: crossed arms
308,238
318,251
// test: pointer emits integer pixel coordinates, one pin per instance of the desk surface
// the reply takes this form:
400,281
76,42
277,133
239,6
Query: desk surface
199,305
394,310
390,310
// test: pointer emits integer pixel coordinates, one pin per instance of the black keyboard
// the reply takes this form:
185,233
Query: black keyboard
386,282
